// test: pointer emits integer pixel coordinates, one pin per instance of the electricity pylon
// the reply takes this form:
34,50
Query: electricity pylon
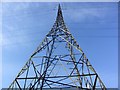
58,62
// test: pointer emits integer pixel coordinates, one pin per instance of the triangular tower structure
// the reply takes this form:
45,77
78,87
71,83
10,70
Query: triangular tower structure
58,62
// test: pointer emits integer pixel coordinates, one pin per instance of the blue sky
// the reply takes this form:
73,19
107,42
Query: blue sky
94,26
60,1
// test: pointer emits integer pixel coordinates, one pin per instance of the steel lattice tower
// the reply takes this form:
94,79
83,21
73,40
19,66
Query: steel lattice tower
58,62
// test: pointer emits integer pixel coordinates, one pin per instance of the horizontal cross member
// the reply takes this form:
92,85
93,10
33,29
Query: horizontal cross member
58,76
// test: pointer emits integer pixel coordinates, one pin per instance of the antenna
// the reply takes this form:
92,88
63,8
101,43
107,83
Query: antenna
58,62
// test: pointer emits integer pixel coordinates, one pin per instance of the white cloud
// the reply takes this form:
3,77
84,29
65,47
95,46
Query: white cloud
82,14
14,41
19,37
